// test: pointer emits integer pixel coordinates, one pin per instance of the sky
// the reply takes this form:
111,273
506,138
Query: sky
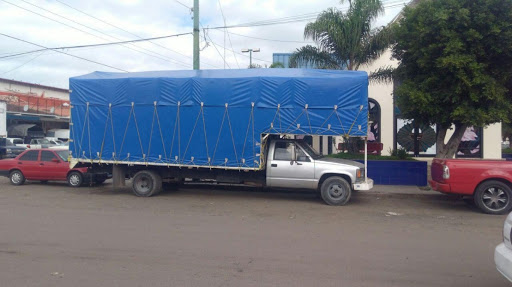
65,23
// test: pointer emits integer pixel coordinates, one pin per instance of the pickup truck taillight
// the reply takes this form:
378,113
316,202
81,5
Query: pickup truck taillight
446,172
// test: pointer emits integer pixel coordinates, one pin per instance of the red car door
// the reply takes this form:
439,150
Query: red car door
53,167
28,163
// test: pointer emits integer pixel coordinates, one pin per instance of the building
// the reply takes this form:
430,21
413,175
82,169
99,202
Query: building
391,132
34,109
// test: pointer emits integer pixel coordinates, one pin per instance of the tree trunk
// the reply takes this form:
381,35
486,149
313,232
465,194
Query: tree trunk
449,149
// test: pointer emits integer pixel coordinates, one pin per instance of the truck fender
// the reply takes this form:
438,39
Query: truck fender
328,174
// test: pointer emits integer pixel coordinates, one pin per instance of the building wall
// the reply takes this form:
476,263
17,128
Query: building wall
49,92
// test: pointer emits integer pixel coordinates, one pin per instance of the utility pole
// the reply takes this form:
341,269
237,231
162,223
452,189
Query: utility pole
196,34
250,54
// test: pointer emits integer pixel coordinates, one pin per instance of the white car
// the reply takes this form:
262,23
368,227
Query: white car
503,252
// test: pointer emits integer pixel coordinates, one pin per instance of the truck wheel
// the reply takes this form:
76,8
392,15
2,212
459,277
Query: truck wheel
75,179
17,177
335,190
493,197
146,183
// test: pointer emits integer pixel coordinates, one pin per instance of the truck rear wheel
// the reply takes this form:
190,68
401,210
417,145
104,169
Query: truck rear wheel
335,190
146,183
493,197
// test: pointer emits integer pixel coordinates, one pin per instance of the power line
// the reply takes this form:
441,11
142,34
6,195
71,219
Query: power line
226,31
78,57
241,53
176,61
297,18
97,45
272,40
32,59
206,35
190,8
117,27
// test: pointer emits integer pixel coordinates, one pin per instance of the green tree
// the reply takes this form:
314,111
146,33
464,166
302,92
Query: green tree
344,40
276,65
455,66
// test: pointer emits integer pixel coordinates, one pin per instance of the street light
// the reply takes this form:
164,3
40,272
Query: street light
250,54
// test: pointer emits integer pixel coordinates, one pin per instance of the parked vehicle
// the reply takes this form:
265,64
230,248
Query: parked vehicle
58,134
64,145
486,182
40,143
46,165
503,252
3,119
8,149
227,126
17,142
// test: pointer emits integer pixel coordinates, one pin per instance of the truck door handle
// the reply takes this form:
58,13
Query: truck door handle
41,164
19,162
274,165
298,163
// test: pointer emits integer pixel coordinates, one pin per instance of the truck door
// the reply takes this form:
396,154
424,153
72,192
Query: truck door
290,167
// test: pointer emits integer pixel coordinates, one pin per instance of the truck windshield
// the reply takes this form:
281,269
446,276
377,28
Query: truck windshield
311,151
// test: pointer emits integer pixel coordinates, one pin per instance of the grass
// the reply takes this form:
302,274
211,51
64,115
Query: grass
370,156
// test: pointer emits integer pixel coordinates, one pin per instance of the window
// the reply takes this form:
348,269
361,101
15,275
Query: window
283,151
301,155
47,155
63,154
374,116
471,143
30,155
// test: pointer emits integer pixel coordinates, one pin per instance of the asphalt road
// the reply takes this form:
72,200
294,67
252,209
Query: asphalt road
52,235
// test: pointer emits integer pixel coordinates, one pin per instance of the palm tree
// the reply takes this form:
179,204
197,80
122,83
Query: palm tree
345,40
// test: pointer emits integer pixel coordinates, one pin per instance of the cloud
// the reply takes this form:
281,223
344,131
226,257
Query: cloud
146,19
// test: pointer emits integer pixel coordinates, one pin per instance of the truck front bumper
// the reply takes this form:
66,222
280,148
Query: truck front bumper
364,185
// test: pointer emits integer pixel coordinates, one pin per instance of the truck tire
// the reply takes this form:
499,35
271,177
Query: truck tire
75,179
146,183
16,177
493,197
335,190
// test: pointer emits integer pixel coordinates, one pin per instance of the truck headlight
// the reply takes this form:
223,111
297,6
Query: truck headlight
360,173
8,150
446,172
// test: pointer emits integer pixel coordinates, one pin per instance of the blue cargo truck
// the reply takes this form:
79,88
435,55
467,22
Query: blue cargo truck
230,126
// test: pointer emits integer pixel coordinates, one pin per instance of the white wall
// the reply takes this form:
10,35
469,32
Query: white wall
492,141
383,94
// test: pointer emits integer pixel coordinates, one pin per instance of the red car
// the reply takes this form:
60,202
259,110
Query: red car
487,182
46,165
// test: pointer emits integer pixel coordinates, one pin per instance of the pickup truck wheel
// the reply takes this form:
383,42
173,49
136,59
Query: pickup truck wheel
75,179
146,183
493,197
16,177
335,190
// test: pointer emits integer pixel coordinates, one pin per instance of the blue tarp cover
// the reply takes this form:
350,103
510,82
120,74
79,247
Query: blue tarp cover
212,118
